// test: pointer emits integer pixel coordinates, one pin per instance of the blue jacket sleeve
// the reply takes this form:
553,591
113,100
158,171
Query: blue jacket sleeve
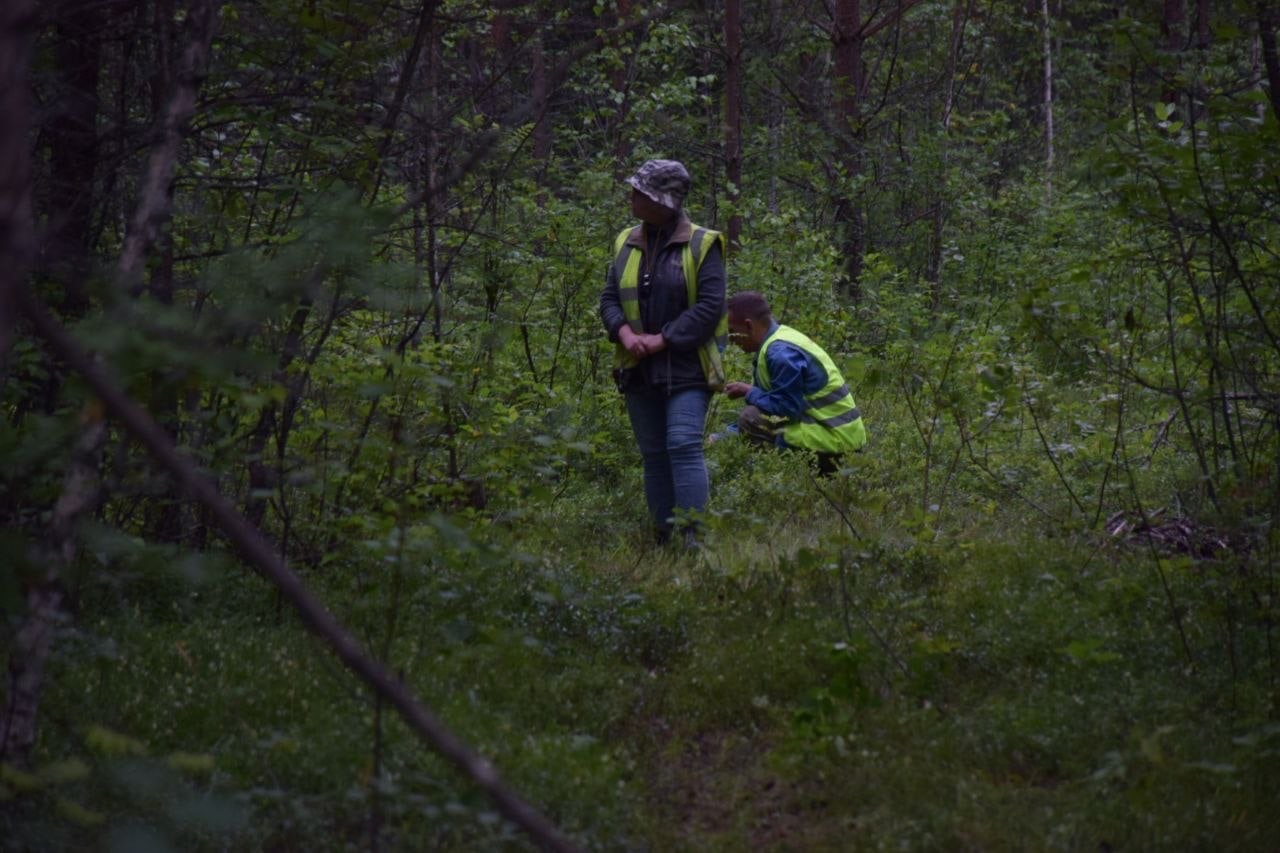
791,372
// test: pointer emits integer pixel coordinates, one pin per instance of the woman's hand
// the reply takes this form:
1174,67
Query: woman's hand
641,346
633,343
654,344
736,389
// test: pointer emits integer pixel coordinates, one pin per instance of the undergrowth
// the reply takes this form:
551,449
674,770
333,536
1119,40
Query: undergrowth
831,671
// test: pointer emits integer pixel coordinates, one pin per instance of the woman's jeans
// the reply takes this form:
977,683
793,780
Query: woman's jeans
669,433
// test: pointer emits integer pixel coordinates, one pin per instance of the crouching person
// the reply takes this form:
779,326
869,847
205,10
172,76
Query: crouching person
797,398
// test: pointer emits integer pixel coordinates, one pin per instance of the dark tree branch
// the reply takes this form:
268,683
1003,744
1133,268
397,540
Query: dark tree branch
893,16
259,553
409,70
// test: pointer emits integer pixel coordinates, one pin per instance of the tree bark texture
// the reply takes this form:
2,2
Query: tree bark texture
733,111
34,639
408,71
847,41
1046,22
775,112
16,233
542,130
1173,22
81,483
618,80
1268,19
960,13
1173,25
153,209
73,152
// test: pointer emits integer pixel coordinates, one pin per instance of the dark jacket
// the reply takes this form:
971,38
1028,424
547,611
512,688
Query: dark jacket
664,307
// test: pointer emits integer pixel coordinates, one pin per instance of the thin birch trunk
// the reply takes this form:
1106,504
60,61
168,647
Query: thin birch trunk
81,483
17,247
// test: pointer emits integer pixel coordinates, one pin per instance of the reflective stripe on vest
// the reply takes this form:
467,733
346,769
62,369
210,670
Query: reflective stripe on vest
831,421
627,265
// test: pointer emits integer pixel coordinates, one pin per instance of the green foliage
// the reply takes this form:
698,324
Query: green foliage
1038,608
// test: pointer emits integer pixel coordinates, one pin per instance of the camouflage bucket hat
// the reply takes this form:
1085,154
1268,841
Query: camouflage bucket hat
664,181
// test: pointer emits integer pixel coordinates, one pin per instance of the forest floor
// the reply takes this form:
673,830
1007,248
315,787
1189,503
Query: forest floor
793,687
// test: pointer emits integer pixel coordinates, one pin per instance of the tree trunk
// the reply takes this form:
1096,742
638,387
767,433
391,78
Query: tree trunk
430,155
262,477
73,152
775,112
1267,21
1172,26
847,41
152,209
960,13
542,131
164,516
16,230
1173,23
81,484
618,83
733,112
34,640
426,21
1048,101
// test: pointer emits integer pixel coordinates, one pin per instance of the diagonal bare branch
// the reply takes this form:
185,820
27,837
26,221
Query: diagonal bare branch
258,552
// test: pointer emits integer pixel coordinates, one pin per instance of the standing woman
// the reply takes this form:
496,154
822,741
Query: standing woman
664,306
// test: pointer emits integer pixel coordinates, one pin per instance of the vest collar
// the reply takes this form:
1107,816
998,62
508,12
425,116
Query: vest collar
682,234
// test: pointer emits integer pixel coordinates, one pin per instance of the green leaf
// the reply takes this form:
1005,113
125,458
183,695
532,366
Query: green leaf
138,839
1089,651
191,762
69,770
18,780
78,814
110,743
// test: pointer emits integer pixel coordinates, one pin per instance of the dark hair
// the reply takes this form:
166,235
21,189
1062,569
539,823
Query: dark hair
750,305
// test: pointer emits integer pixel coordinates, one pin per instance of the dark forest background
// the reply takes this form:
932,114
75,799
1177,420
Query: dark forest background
315,489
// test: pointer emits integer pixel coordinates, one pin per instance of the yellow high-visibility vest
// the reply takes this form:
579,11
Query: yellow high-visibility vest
831,421
627,263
